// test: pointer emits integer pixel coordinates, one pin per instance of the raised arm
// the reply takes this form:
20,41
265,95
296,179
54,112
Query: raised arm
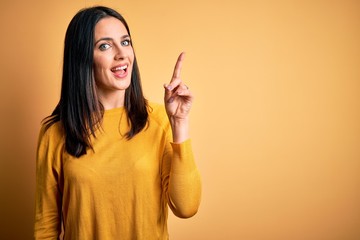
184,183
178,101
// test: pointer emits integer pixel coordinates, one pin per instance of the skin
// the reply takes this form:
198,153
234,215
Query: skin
178,101
113,48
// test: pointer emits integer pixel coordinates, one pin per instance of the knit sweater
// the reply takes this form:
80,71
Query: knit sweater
119,190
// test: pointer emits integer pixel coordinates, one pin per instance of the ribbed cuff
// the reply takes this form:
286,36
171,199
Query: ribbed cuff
183,158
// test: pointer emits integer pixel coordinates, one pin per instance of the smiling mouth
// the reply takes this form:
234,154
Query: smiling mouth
119,69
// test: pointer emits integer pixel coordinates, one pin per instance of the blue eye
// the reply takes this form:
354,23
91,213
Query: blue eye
104,46
126,42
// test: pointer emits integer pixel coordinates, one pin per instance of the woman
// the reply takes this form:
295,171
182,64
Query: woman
108,162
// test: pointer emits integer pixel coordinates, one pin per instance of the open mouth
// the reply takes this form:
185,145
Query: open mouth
120,71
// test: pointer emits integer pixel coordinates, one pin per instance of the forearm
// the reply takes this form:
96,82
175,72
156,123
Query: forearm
185,182
185,194
47,214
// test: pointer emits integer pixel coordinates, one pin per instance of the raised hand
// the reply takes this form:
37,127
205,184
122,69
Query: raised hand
178,100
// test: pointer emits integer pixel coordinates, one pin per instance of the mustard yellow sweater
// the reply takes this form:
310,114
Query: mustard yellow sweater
122,189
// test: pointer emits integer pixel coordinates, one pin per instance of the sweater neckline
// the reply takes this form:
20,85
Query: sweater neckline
114,111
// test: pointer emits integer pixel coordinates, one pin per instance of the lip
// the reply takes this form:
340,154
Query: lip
120,71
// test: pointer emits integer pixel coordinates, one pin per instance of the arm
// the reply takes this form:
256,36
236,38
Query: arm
48,197
184,189
185,182
178,100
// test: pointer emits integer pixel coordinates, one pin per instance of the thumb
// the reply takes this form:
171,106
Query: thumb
168,98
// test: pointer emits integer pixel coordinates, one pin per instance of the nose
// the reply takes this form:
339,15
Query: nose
119,54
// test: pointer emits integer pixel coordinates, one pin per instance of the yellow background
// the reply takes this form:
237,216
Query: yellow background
275,124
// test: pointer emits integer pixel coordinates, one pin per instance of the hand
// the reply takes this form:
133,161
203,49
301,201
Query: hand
178,98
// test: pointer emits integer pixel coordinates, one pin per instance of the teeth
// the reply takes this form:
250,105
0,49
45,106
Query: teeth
120,68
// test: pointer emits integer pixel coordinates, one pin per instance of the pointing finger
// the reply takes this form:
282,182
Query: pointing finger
178,66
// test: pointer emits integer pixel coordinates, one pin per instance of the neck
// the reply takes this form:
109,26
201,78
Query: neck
112,100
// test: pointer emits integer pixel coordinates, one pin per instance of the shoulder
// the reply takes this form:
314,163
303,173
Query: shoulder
51,134
157,111
157,114
50,146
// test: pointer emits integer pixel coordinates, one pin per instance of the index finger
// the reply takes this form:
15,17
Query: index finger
178,66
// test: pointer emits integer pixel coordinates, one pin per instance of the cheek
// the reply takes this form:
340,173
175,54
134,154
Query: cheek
132,55
98,67
96,72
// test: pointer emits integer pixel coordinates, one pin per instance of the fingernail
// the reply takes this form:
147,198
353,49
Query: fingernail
171,99
169,87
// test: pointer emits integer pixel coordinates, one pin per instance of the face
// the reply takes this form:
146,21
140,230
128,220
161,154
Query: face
113,58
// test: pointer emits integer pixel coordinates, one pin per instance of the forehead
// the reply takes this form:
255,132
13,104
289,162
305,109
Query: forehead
110,26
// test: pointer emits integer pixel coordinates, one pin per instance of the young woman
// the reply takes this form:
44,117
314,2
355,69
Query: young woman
108,162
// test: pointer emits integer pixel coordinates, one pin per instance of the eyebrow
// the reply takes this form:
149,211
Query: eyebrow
110,39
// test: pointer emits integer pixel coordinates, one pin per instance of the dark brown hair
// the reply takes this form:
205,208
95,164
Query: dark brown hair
79,109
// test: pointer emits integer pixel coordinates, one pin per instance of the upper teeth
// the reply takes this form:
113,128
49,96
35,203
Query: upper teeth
120,68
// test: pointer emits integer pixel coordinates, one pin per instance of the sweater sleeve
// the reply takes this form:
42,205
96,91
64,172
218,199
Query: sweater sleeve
47,196
184,187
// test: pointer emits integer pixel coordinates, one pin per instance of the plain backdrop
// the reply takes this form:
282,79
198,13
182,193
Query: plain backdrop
275,124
